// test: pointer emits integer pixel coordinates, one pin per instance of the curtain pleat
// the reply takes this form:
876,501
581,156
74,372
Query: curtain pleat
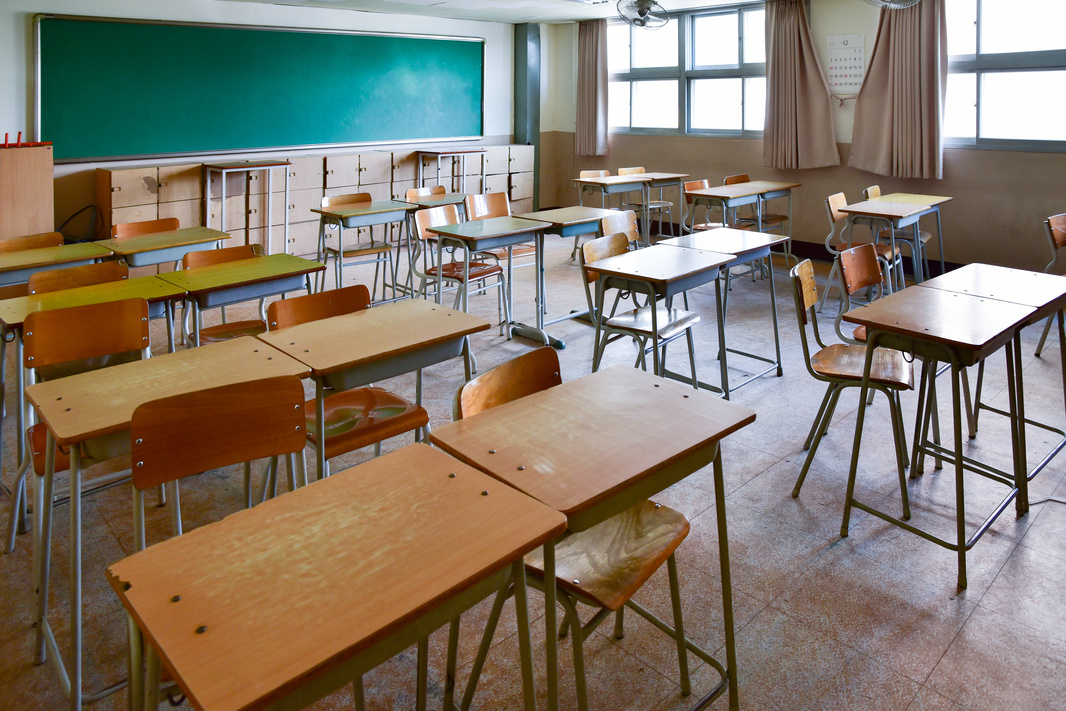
899,111
591,139
798,132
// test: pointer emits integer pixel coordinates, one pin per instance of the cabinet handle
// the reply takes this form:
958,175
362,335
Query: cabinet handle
162,185
116,189
252,176
292,207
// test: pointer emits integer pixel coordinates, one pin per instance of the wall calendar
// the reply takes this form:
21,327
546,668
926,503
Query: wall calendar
847,64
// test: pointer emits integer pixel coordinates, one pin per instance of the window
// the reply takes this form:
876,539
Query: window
704,72
1007,74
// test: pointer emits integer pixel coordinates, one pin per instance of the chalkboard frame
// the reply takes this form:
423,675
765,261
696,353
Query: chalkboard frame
471,111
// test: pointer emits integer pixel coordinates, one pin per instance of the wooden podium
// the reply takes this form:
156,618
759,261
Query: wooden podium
26,190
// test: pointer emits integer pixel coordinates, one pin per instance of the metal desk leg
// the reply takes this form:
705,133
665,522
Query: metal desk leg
727,584
320,430
551,639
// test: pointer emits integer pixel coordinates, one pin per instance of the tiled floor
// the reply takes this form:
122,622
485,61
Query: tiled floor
872,621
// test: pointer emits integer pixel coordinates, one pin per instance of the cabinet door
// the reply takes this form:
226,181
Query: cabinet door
180,182
303,239
521,159
374,168
342,171
495,183
404,166
497,160
187,212
130,186
134,213
26,198
521,186
400,188
474,163
235,214
519,207
301,202
304,173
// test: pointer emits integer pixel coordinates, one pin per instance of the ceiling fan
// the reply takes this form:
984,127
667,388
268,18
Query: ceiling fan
646,14
893,4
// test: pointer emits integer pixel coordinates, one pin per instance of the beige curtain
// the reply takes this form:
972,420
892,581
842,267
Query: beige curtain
591,139
799,119
899,110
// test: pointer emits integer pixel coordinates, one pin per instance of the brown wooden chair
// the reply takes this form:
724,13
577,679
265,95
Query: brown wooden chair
452,272
589,188
358,417
378,253
770,221
482,207
601,567
649,329
841,365
37,241
123,230
73,277
835,243
225,330
860,271
916,246
707,223
428,191
63,342
622,221
659,207
1055,227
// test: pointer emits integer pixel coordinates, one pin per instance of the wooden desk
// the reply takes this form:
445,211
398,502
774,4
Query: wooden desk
616,185
753,192
241,280
16,267
747,246
247,166
101,402
460,153
492,233
665,180
162,247
392,559
576,454
345,352
962,330
379,212
664,272
933,202
897,215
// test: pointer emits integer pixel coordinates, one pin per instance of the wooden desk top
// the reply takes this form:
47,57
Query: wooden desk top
913,199
162,240
248,164
726,240
216,277
298,585
884,209
102,401
435,200
574,445
377,207
566,216
665,176
48,256
634,179
660,265
150,288
959,321
473,230
737,190
342,342
1017,286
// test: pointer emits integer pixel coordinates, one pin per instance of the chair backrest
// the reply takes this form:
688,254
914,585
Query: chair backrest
79,333
632,171
194,432
734,179
44,239
621,221
527,374
147,227
72,277
481,207
1056,230
207,257
859,268
351,199
594,174
415,193
433,217
833,203
312,307
601,248
805,294
695,185
871,192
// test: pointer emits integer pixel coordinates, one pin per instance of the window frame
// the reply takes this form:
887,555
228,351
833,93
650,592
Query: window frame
684,73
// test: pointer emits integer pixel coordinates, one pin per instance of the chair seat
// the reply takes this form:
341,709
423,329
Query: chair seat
845,361
363,416
670,321
357,251
905,235
652,205
606,564
478,270
884,251
771,218
233,329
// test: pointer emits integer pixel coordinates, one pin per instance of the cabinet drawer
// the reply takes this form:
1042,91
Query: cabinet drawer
342,171
180,182
521,186
521,159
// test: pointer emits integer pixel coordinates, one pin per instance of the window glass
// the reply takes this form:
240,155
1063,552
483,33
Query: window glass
960,107
716,104
1018,105
654,104
618,104
617,48
655,48
754,103
754,36
716,40
1022,25
962,26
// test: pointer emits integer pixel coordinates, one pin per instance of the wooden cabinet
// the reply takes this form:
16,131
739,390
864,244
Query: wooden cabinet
149,192
26,197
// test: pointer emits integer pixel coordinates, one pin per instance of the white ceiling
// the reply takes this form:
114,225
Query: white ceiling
491,10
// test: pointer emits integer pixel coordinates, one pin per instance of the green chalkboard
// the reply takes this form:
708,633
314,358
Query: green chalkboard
114,88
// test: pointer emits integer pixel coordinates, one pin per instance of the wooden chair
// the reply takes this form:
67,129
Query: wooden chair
1055,227
73,277
452,272
589,188
601,567
622,221
648,330
63,342
37,241
835,243
482,207
358,417
707,224
377,253
658,206
770,221
860,270
427,191
915,245
841,366
178,436
225,330
123,230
